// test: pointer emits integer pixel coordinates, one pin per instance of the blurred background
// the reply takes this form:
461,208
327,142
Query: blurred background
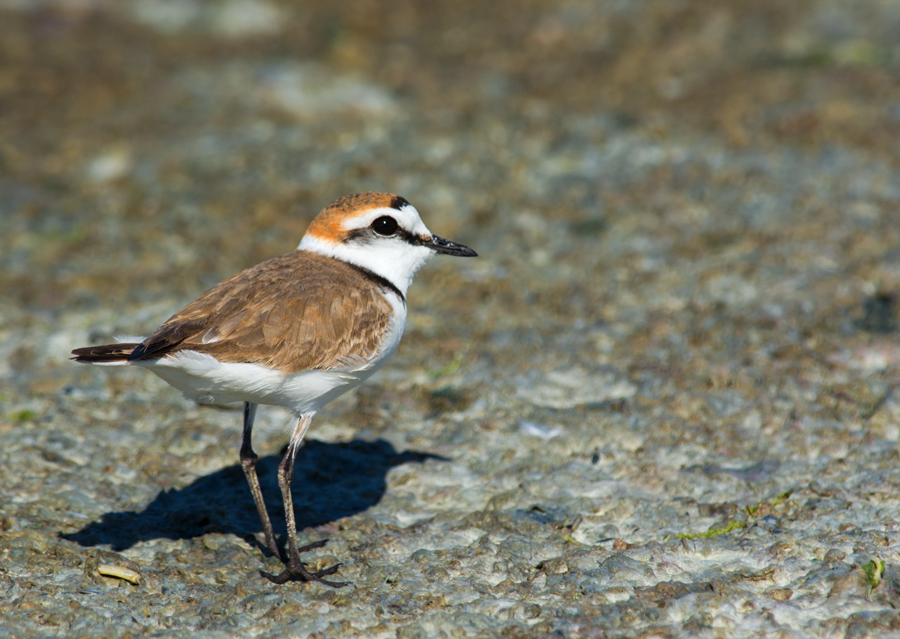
147,143
686,301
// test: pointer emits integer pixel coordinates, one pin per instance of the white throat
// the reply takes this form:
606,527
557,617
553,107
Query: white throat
394,260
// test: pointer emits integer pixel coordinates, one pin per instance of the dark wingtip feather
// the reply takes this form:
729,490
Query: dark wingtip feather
105,354
138,352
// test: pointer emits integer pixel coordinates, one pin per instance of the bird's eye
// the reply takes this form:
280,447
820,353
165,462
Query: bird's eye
385,226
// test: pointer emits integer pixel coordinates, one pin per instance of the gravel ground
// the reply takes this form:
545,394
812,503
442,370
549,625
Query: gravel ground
664,401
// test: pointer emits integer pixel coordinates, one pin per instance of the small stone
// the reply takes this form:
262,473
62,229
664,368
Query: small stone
780,594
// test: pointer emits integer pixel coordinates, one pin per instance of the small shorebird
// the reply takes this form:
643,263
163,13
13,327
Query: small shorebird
296,331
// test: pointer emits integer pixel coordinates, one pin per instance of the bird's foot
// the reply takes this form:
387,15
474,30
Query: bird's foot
296,569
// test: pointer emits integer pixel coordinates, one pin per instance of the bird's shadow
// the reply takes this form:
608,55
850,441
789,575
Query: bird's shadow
331,481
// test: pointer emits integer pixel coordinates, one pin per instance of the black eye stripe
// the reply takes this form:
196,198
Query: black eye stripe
364,234
385,226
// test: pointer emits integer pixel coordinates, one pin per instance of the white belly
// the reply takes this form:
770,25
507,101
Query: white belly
204,379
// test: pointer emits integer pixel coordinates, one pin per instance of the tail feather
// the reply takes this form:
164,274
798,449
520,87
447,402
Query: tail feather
107,354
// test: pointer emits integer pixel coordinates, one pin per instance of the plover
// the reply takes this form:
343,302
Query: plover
295,331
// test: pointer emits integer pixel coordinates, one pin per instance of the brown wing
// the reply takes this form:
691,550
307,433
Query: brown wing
294,312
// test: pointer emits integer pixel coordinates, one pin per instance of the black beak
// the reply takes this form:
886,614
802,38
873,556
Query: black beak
440,245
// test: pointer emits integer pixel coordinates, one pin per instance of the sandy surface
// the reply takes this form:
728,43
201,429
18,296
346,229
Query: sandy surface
664,401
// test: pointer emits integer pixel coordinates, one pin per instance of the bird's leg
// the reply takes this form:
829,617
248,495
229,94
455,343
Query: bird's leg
248,462
294,567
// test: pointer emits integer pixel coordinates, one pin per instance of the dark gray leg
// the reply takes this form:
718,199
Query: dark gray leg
294,568
248,462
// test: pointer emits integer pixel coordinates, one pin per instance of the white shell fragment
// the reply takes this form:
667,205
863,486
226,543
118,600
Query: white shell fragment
120,572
